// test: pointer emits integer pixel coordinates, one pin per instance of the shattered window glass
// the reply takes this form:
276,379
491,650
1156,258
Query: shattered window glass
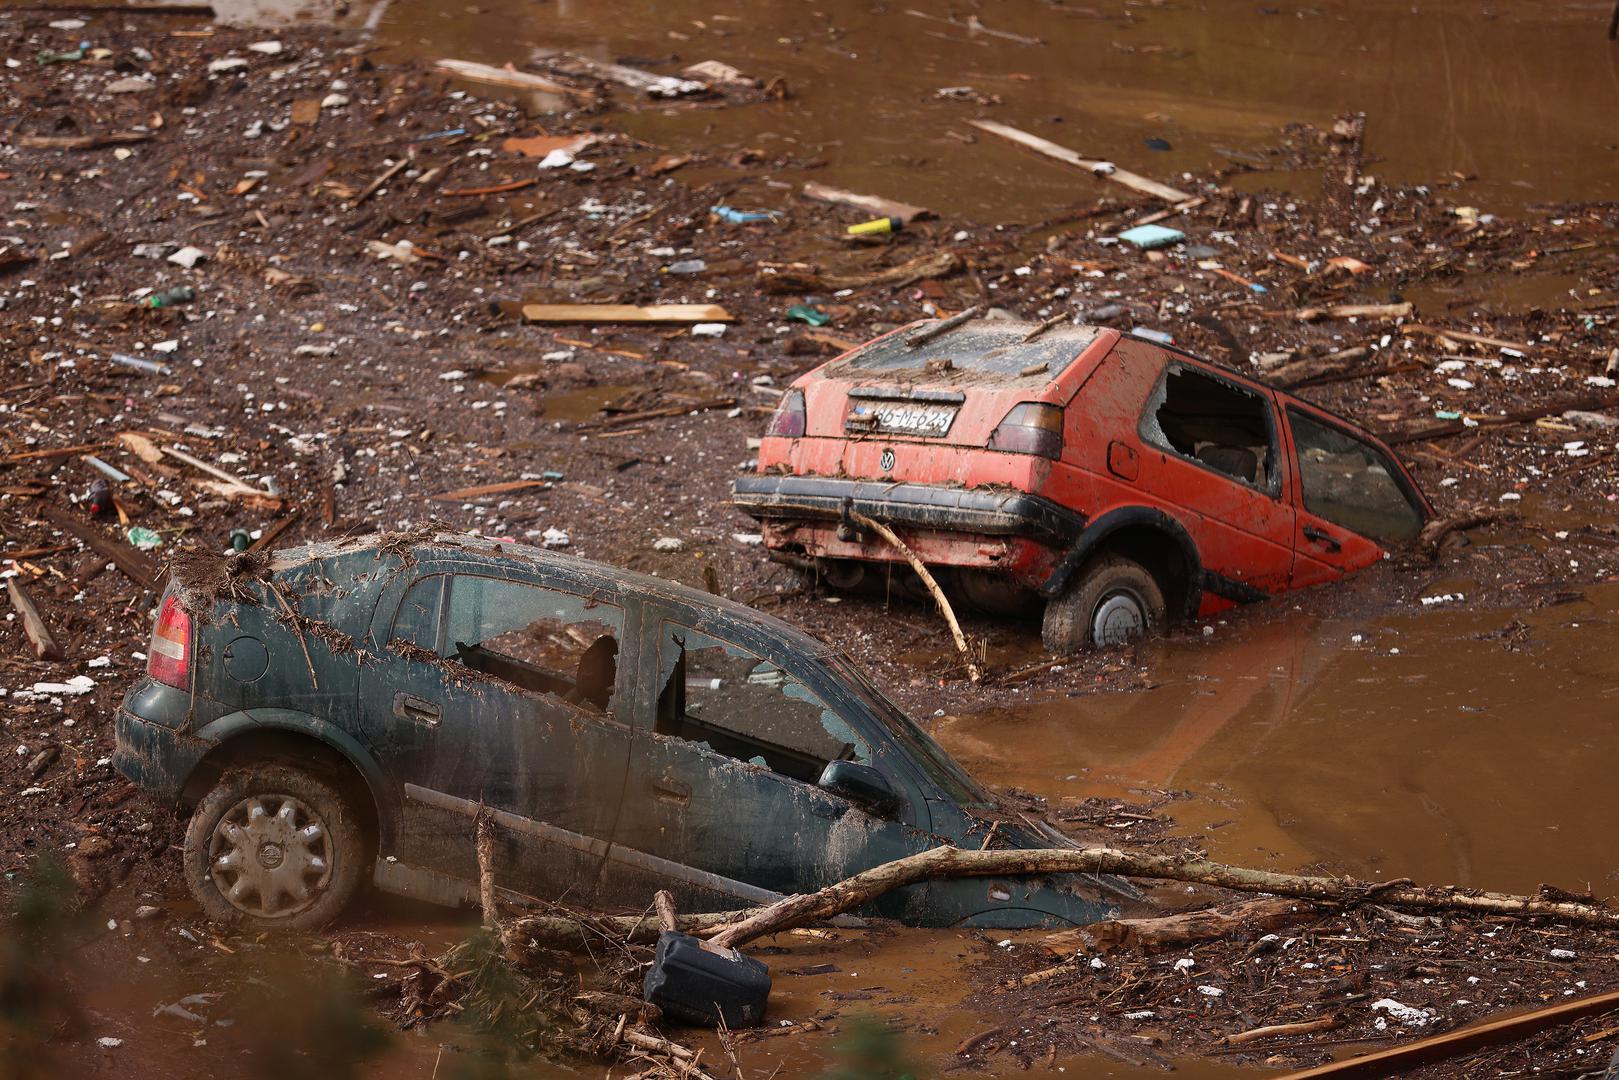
1215,423
544,641
1352,483
725,698
981,347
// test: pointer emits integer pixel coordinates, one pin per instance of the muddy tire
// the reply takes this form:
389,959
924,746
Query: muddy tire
1113,600
274,848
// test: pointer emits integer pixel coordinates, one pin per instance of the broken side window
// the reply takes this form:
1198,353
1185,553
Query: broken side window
723,697
1218,424
1352,483
417,619
542,640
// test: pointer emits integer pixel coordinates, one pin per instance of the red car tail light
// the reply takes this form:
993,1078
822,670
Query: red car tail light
169,658
1030,428
787,421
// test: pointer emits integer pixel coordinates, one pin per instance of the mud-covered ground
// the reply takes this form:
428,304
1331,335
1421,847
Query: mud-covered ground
353,348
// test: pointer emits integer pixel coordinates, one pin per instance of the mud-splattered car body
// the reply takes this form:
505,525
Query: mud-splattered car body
623,733
1021,459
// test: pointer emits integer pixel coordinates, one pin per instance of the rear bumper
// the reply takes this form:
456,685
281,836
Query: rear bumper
922,506
150,750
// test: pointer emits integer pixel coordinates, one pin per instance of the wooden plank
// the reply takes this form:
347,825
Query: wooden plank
494,76
134,566
1402,1059
622,313
45,646
462,494
60,451
1463,335
1050,149
1354,311
871,204
643,82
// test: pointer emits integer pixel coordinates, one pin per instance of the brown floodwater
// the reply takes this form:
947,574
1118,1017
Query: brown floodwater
1521,95
1416,745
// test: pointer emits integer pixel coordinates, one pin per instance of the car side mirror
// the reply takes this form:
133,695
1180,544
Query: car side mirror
860,784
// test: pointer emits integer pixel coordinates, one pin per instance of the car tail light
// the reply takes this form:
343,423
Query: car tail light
169,658
1030,428
788,420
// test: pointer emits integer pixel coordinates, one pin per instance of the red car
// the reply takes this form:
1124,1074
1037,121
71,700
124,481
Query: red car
1118,482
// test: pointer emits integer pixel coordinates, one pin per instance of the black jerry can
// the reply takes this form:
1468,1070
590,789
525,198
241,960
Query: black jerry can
700,983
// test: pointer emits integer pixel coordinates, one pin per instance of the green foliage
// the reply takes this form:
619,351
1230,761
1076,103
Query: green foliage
870,1050
300,1020
42,927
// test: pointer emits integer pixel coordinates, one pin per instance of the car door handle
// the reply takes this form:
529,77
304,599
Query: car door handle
1321,536
670,791
416,710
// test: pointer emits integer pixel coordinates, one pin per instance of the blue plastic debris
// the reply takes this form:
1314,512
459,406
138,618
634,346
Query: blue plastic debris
1160,336
1148,237
743,217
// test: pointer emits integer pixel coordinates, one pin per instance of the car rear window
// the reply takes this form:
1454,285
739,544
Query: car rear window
983,348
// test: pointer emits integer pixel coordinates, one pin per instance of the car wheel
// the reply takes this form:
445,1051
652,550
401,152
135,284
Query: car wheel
274,848
1112,601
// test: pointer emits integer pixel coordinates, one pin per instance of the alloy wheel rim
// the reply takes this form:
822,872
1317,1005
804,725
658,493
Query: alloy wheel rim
1119,616
270,856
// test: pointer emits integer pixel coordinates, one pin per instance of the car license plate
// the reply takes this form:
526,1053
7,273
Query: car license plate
901,418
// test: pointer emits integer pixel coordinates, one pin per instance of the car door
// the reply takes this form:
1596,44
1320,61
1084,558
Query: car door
1354,498
503,694
729,744
1212,451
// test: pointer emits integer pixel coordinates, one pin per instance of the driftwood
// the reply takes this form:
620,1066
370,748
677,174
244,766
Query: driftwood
1105,169
1469,517
1402,1059
949,862
871,204
942,326
974,671
1315,367
1271,1031
485,844
568,932
134,566
45,646
1173,931
1354,311
798,277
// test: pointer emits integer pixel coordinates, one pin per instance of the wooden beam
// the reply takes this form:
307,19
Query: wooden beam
871,204
134,567
625,313
45,646
1050,149
1402,1059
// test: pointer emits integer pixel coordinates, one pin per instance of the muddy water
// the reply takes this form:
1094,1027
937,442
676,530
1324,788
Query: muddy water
1419,746
1521,95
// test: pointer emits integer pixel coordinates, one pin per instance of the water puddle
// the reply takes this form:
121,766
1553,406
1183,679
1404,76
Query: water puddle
1467,747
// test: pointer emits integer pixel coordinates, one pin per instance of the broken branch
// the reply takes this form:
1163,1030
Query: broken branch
974,672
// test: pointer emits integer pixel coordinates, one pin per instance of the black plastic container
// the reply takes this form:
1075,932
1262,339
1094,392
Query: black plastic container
694,981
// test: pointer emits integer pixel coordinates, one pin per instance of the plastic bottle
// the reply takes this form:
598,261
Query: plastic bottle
180,294
99,500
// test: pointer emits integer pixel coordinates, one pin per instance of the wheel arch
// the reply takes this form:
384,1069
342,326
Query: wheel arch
297,739
1145,535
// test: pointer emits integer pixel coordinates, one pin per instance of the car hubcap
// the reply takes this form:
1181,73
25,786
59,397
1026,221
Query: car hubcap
1118,618
270,856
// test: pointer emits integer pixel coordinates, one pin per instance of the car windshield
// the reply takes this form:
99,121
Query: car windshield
985,348
928,755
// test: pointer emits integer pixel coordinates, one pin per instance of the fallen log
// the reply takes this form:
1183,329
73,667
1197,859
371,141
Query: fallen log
1173,931
950,862
1415,329
1270,1031
568,932
974,672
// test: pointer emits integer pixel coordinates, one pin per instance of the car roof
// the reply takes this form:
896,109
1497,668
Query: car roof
426,545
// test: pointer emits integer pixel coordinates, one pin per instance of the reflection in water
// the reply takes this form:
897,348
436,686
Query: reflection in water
1428,750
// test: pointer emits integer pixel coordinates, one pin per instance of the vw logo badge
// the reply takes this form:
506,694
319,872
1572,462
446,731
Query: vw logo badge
886,462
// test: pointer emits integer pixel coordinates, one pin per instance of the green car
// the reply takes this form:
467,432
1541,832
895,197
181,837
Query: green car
348,710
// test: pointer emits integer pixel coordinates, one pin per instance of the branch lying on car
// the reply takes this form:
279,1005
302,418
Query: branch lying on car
974,671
